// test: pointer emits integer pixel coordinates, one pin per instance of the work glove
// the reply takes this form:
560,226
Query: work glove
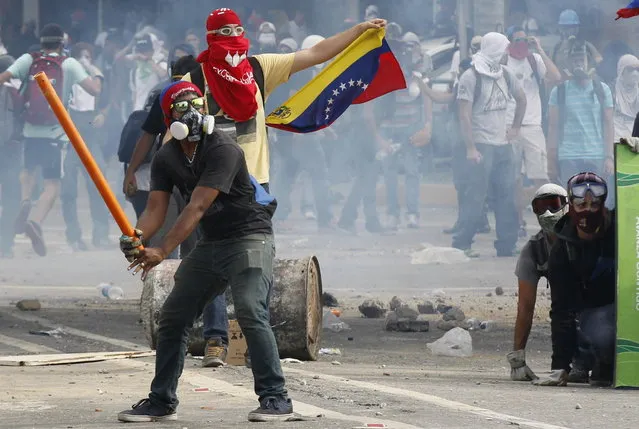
129,245
557,377
519,370
631,142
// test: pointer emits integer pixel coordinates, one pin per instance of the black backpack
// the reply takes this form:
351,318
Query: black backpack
130,135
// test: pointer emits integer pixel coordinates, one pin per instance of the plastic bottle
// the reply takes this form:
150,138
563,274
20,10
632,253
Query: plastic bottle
110,292
487,325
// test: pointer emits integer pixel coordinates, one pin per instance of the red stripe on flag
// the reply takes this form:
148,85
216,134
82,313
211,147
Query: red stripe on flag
627,13
389,77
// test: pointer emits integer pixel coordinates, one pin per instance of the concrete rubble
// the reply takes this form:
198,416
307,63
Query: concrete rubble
372,309
455,343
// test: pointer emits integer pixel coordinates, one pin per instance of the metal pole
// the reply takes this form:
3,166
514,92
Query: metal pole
100,16
462,35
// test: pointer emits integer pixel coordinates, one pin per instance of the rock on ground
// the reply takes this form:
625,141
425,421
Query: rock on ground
372,309
426,307
455,343
395,303
454,313
29,305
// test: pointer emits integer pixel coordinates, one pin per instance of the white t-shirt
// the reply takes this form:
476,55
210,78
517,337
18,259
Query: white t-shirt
81,101
523,72
142,81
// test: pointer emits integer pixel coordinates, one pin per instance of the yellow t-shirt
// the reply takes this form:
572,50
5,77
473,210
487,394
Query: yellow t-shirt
251,135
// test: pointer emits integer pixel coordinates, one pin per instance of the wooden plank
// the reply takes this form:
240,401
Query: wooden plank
69,358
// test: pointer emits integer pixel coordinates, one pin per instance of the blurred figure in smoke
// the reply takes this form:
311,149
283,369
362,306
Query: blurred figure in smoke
297,27
147,72
267,42
11,159
626,96
569,25
445,24
580,123
84,111
474,42
534,71
193,39
394,32
484,92
371,12
406,126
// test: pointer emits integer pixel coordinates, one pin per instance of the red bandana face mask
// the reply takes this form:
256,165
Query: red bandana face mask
228,72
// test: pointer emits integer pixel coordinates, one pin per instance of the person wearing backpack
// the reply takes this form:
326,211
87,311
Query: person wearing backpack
535,71
580,124
44,138
483,95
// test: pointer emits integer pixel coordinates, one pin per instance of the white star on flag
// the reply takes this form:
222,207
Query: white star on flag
328,109
359,82
365,86
335,92
342,87
351,82
330,101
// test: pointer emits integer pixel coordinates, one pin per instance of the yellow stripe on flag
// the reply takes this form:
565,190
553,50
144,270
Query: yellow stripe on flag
369,40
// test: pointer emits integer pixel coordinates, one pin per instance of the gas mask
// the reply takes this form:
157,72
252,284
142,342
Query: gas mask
588,221
192,126
568,33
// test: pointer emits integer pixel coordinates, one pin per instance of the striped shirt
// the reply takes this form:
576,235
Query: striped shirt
583,126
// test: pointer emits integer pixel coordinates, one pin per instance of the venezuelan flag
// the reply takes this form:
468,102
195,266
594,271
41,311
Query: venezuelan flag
629,11
365,70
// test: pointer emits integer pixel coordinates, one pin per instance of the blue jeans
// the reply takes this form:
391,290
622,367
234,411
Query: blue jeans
216,320
407,159
599,329
493,174
246,266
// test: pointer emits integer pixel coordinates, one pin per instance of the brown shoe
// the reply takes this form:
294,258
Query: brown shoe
34,232
214,354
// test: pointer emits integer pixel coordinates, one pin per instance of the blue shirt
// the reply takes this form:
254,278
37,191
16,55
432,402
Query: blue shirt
583,122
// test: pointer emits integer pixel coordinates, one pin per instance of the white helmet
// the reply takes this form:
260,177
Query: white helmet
411,38
311,41
549,218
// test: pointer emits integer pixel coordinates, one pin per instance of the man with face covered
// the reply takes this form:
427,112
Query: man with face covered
582,275
580,124
569,24
236,85
236,250
550,204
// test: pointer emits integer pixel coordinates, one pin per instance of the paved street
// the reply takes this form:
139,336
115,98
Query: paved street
383,377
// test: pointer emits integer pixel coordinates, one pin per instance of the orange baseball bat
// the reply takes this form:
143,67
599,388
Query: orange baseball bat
84,153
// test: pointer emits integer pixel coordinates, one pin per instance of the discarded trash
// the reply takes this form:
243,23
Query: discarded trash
438,255
201,389
455,343
372,309
336,311
336,363
29,305
472,324
487,325
330,352
111,292
57,333
333,322
291,360
370,425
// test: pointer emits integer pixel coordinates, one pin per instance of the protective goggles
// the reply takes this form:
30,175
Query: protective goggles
598,190
552,203
228,31
183,106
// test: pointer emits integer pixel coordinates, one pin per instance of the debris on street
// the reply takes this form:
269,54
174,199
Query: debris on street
455,343
29,305
372,309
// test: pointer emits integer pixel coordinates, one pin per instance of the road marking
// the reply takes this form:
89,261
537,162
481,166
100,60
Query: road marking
26,345
80,333
50,287
431,399
218,386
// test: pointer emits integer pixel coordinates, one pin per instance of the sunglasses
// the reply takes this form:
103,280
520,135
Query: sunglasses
183,106
229,31
598,190
552,204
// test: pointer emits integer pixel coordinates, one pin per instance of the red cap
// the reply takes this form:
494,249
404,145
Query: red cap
171,93
221,17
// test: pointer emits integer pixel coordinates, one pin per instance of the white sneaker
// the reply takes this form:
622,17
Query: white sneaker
412,221
392,223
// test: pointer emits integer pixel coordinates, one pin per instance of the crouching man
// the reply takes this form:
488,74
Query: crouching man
581,273
550,204
236,250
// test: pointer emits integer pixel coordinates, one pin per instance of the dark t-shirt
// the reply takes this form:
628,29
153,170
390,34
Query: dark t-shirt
219,164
